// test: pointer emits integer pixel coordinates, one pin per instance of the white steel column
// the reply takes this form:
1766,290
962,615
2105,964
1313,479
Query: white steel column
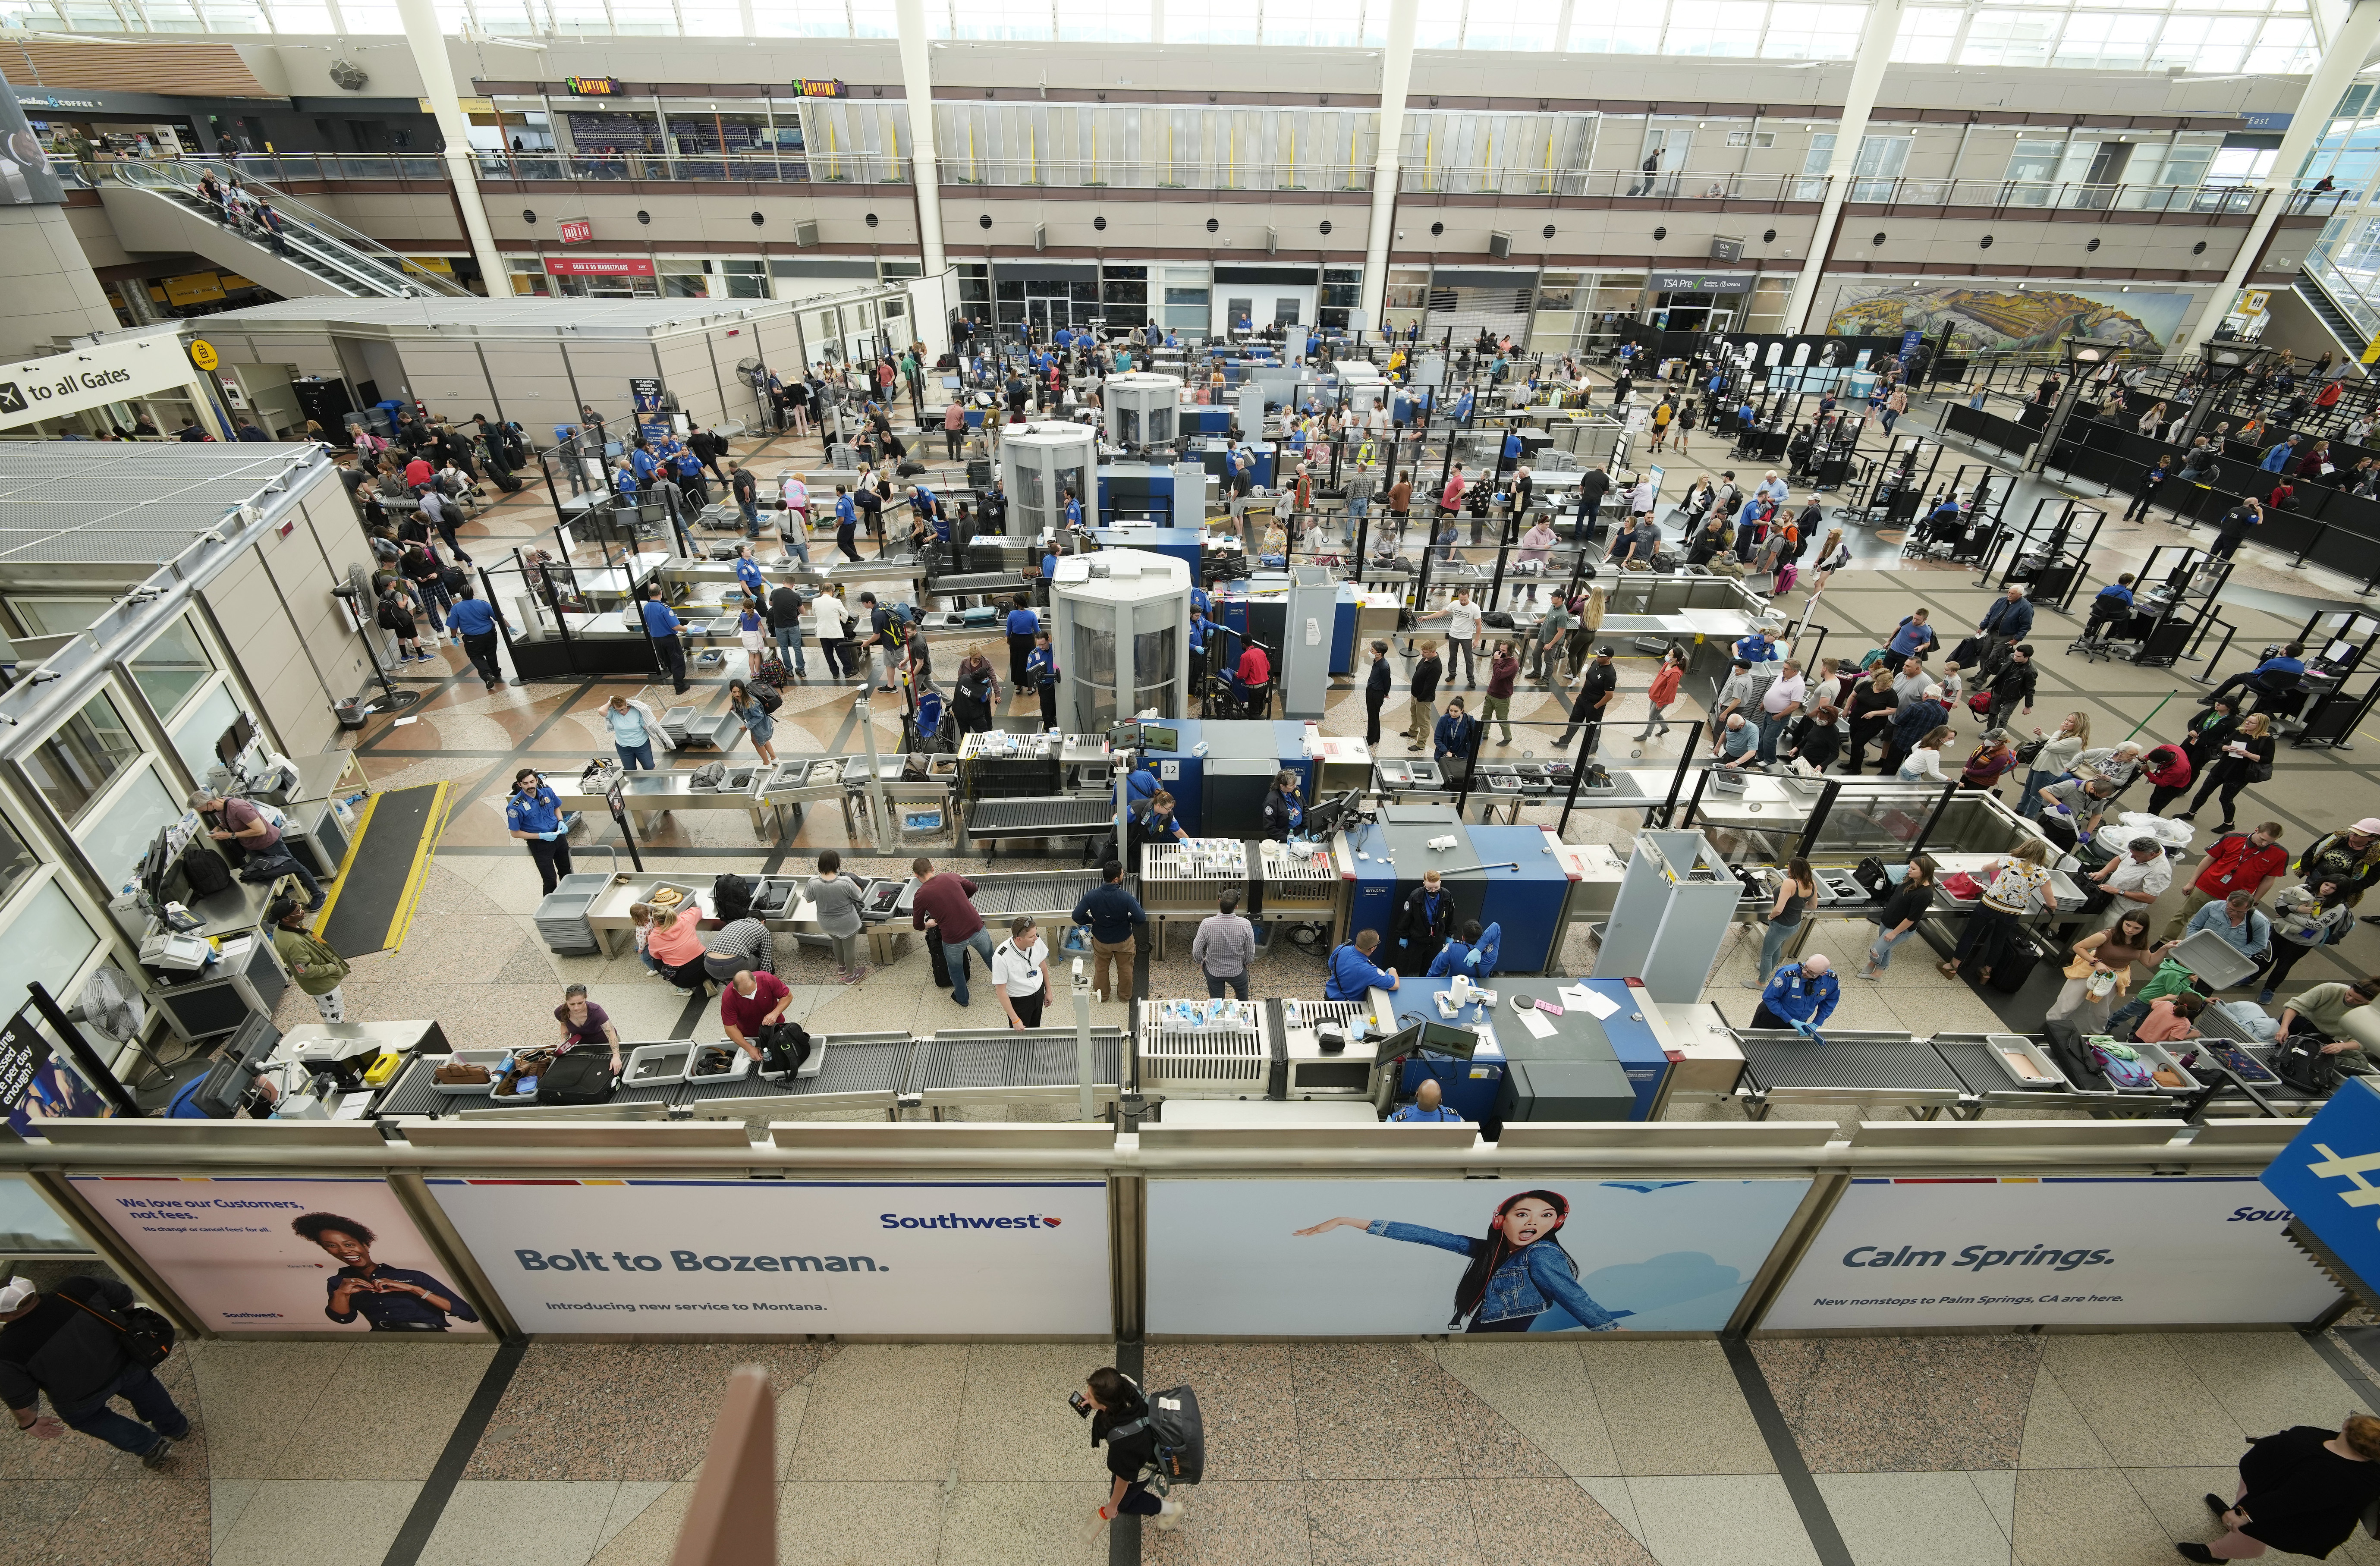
924,167
2332,73
1859,101
429,49
1396,76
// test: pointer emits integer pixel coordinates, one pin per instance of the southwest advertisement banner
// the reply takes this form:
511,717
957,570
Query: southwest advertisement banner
2081,1250
285,1255
1407,1257
780,1257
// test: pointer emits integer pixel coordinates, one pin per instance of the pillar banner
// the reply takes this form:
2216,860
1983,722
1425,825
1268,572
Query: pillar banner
783,1257
1407,1257
285,1255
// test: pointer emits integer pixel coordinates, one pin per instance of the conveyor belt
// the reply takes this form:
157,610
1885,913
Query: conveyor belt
1981,1072
1858,1062
411,1093
1043,1057
1061,816
1053,892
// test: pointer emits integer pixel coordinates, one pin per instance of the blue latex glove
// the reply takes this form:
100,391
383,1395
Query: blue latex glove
1802,1028
551,836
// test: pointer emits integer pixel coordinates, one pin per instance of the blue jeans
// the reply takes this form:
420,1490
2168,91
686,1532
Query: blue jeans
633,756
752,520
954,956
1772,945
2035,782
1880,956
789,646
138,1387
1771,726
797,547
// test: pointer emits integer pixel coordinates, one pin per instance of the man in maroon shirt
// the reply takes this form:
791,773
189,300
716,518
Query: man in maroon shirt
943,908
751,1003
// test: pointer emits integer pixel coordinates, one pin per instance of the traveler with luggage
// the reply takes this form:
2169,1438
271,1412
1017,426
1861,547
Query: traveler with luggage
72,1344
2019,886
1112,915
943,907
584,1021
1119,1417
750,1006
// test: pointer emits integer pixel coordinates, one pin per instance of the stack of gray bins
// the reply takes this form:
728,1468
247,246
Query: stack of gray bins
562,914
674,720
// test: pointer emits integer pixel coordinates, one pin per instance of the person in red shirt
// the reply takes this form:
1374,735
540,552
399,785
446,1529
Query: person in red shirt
942,908
1256,669
2167,768
2249,862
1663,691
751,1003
416,473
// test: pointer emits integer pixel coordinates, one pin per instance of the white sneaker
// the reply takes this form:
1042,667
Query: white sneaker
1170,1514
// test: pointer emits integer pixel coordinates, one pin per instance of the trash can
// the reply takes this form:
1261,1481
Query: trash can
350,713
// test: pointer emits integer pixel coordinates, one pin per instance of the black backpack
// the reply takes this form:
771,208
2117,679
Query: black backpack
766,695
582,1076
206,873
784,1047
731,897
1181,1437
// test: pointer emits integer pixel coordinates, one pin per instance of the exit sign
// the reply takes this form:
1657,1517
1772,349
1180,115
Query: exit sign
577,230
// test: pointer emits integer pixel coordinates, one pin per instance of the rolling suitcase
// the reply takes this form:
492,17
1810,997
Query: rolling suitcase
2016,964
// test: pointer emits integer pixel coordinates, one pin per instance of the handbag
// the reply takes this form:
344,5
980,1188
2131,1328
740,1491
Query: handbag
148,1337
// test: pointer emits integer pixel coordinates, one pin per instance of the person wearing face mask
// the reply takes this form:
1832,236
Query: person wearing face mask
533,815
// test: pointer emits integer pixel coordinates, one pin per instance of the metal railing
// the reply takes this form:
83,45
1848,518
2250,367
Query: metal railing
774,168
312,234
2353,291
1686,185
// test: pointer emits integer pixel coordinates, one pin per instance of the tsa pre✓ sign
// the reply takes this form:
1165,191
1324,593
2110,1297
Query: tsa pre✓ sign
2078,1250
777,1256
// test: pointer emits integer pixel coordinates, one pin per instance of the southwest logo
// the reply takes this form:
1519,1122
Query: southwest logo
962,1221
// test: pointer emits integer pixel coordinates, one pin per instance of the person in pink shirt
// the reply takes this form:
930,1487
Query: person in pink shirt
2169,1019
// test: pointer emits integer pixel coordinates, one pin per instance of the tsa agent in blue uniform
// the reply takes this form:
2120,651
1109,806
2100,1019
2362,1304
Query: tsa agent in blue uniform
662,625
1041,678
1353,976
1800,995
1023,624
747,571
533,814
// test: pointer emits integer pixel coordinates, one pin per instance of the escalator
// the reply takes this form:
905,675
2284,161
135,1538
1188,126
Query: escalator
2317,299
156,207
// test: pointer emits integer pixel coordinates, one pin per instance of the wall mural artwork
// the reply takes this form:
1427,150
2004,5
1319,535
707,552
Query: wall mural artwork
1997,321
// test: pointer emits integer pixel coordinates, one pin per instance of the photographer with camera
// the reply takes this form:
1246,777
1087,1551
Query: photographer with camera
1119,1416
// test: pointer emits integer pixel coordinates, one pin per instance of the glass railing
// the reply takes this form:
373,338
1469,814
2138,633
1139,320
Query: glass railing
1625,184
794,167
2352,290
313,234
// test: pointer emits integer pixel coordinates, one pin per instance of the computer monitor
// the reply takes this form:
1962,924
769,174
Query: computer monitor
229,1083
1332,813
1433,1038
233,740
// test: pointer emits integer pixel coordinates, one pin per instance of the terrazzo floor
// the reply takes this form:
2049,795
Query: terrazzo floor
1971,1451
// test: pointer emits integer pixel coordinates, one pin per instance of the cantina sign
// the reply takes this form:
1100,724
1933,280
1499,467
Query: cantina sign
593,86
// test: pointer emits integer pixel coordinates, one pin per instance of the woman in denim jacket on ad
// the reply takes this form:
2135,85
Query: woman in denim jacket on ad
1519,1279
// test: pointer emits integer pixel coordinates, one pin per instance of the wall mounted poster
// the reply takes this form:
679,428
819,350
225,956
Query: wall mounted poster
2077,1250
285,1255
2007,321
778,1257
1398,1258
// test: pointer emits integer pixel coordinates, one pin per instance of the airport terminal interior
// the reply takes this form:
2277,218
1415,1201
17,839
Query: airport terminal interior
541,545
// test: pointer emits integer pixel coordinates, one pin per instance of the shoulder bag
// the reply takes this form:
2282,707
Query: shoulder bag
148,1337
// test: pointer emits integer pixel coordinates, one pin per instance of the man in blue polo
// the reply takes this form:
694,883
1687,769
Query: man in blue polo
2277,460
747,571
662,625
1427,1108
924,504
477,623
1353,976
1023,624
1801,995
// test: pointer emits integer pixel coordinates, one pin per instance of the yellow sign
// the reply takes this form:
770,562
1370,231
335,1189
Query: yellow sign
432,263
2255,301
202,353
2372,349
468,105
